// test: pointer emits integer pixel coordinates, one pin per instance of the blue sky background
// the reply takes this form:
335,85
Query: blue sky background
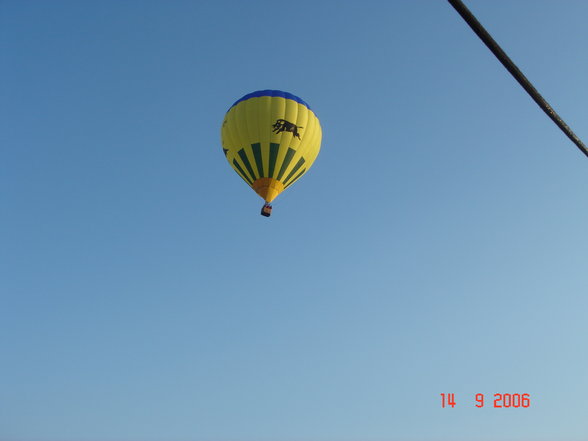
437,245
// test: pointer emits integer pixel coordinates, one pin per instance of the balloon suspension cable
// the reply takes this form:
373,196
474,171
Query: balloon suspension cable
515,72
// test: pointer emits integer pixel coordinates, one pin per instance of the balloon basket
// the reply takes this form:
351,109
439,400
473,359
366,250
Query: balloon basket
266,210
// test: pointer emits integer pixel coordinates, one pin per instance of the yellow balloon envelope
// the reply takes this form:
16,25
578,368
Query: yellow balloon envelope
270,138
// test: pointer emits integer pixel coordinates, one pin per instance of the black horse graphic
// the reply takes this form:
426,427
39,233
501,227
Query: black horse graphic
282,125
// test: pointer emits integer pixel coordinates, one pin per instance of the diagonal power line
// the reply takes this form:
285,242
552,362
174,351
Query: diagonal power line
515,72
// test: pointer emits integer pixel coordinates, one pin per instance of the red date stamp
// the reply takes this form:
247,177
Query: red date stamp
500,400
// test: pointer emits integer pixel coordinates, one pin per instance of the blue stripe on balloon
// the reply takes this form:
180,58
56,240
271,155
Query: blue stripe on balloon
279,93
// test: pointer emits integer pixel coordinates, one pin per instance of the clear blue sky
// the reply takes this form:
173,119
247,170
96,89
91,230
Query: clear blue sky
438,244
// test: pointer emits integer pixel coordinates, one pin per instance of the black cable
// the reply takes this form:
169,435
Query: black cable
515,72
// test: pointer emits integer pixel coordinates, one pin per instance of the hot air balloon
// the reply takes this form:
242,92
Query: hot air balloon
270,138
